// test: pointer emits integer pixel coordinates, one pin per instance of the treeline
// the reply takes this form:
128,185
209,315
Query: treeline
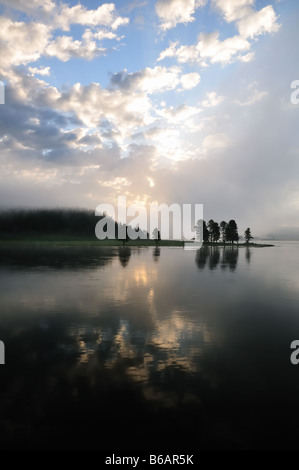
20,222
66,223
226,232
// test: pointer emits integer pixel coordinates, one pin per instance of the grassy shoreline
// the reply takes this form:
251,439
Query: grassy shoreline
52,241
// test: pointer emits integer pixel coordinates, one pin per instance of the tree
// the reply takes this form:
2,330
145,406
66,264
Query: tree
247,235
210,226
157,235
214,231
122,233
205,232
231,232
222,227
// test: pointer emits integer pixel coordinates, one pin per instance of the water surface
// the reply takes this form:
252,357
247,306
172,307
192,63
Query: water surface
149,348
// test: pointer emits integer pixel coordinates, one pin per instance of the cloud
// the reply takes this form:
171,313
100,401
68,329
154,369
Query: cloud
65,47
254,95
173,12
182,53
44,71
21,43
179,113
33,7
210,49
104,15
212,99
190,80
233,10
26,42
221,144
259,22
149,80
62,16
250,23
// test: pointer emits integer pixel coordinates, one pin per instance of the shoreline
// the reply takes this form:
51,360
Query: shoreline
56,242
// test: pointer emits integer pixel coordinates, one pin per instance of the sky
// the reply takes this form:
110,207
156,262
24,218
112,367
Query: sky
167,101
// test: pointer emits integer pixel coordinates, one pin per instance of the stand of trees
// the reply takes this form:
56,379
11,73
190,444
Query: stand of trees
225,232
64,223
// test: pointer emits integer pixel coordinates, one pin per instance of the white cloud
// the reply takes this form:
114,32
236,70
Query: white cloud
149,80
212,100
21,42
172,12
210,47
100,35
44,71
233,10
254,95
104,15
190,80
247,57
250,23
92,103
31,6
178,114
259,22
65,47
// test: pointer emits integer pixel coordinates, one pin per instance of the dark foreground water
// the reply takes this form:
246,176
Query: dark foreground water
120,348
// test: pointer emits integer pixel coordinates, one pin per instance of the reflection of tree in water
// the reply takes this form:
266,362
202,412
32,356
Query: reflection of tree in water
156,253
124,254
248,254
214,257
201,256
211,256
230,258
57,257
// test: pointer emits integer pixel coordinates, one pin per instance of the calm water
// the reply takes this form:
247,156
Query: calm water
149,348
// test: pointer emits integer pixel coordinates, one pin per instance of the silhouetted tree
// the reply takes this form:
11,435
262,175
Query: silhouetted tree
231,232
201,232
157,235
214,231
205,232
222,227
210,226
247,235
123,234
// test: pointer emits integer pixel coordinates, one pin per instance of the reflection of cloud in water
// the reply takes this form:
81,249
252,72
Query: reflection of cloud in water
175,344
